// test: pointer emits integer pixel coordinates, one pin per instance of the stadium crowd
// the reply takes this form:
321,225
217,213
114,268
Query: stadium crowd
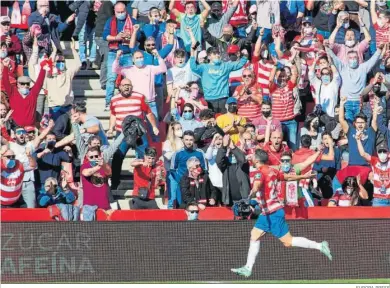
210,87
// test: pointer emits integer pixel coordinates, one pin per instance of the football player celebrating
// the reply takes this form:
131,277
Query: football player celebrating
272,219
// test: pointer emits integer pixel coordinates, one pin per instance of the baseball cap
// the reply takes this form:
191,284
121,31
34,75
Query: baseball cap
231,100
307,19
232,49
24,79
253,9
4,19
382,146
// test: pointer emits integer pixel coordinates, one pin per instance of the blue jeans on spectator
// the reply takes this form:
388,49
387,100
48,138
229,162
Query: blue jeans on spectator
120,155
267,37
325,34
57,111
290,130
352,108
377,202
153,107
174,194
124,61
87,33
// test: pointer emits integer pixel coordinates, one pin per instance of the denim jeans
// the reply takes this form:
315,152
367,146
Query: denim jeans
87,34
325,34
174,194
377,202
153,107
120,155
57,111
124,61
352,108
290,130
103,52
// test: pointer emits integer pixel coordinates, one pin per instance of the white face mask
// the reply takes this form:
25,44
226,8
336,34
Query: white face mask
349,191
346,25
179,133
350,43
383,157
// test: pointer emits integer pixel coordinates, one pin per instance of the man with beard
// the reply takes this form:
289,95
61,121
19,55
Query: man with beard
22,148
179,161
274,146
128,102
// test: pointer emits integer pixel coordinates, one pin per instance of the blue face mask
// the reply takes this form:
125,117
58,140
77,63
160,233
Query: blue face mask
191,16
113,2
60,66
121,16
139,62
181,65
11,163
217,61
93,163
188,115
3,54
325,79
353,63
193,216
286,167
24,91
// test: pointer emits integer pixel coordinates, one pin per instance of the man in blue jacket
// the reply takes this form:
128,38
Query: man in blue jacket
179,162
215,77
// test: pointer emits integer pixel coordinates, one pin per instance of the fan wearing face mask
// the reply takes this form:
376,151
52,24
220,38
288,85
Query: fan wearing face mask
23,97
381,22
12,176
354,77
59,83
192,20
350,42
343,19
349,194
380,166
326,88
196,185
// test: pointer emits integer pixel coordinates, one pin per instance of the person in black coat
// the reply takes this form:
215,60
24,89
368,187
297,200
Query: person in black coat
204,135
230,161
196,186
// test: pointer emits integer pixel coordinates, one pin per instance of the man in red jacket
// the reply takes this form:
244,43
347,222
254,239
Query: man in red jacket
22,98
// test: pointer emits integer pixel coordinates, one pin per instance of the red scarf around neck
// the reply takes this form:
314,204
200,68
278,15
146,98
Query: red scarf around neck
128,28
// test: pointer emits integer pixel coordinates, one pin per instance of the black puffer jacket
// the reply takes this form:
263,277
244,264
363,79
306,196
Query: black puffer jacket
133,129
204,136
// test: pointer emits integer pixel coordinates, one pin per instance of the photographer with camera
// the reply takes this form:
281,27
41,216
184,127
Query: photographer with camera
49,158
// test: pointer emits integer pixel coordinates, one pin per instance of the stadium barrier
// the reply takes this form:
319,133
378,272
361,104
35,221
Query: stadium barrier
210,214
196,251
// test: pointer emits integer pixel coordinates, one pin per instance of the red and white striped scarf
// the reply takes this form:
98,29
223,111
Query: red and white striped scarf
164,42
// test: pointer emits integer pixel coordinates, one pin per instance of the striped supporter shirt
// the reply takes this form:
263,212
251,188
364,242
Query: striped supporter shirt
134,105
263,71
282,102
382,35
11,183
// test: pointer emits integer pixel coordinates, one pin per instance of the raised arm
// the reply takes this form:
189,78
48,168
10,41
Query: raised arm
133,38
309,161
343,122
336,61
236,65
174,10
257,49
332,37
374,16
362,153
206,11
162,67
33,60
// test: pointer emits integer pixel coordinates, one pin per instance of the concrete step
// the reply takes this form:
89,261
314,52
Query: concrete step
79,92
88,73
86,84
